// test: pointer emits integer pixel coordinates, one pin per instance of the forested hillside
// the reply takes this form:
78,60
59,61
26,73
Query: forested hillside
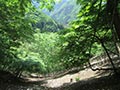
44,22
64,11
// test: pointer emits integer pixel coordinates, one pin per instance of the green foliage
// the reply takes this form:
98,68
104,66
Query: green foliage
88,33
77,79
43,22
24,48
13,28
42,54
16,28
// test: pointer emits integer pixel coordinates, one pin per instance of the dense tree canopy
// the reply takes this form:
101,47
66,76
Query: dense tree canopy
15,27
23,47
95,31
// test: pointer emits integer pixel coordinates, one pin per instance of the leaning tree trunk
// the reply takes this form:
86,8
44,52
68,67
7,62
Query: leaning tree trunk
115,40
114,68
104,47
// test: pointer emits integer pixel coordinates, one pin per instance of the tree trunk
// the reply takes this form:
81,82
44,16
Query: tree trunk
102,43
117,46
116,22
112,10
114,68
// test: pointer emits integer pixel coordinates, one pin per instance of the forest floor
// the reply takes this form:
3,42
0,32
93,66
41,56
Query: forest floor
82,80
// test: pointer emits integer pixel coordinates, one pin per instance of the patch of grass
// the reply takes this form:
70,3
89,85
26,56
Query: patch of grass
77,79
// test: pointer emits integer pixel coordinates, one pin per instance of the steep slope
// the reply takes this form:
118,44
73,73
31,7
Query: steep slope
65,11
44,22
